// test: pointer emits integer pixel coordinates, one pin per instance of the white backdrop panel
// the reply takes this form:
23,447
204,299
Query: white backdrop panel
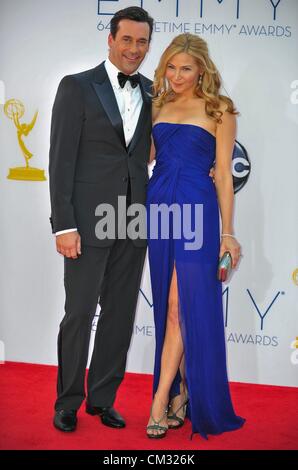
253,44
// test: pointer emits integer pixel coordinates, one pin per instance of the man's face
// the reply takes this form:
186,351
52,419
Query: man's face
131,44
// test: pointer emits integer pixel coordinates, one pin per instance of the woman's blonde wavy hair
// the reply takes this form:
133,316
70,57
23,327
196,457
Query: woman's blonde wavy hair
211,81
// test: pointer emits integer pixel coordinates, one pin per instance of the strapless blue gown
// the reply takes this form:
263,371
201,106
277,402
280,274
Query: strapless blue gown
184,155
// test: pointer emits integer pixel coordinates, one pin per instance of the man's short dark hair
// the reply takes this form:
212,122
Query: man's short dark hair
133,14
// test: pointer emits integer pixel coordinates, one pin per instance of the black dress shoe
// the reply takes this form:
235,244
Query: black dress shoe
65,420
109,416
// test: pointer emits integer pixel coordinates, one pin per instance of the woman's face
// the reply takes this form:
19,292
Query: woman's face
182,72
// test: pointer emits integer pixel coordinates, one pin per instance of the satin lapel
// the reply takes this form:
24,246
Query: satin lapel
105,93
146,109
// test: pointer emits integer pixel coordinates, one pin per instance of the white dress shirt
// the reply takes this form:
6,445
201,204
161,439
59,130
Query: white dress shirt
129,102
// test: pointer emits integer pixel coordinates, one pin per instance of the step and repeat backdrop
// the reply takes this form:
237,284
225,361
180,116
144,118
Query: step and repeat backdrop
253,43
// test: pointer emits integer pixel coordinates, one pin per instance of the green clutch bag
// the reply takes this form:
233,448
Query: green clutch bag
224,266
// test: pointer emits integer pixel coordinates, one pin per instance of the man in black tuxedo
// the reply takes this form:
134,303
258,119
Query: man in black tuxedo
100,145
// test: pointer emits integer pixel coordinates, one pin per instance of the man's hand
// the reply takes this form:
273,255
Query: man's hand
212,174
69,244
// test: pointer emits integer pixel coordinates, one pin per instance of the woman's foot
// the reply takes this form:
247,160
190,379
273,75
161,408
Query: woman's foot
158,424
177,410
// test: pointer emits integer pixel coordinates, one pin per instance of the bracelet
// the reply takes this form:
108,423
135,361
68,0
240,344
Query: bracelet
228,235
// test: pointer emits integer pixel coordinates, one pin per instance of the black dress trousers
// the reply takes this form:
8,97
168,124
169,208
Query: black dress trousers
111,276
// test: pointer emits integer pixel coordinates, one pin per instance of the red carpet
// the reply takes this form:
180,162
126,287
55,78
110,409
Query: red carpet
26,413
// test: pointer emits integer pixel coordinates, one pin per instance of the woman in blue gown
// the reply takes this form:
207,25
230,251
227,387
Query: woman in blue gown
193,125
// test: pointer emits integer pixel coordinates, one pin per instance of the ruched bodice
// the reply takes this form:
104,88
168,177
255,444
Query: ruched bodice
184,150
187,146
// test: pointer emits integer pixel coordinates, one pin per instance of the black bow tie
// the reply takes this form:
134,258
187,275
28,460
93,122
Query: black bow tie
133,79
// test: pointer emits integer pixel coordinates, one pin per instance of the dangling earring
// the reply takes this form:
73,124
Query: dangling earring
200,80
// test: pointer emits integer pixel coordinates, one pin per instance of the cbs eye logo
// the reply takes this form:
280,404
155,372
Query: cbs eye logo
240,166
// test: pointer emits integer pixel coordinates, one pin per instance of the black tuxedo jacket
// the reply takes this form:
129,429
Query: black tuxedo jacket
89,162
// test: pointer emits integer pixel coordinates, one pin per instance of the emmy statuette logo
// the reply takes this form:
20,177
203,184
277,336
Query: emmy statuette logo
14,110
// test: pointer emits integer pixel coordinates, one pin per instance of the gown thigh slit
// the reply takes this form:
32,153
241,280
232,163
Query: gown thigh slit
184,155
175,389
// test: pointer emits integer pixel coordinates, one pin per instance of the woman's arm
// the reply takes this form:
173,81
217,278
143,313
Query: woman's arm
225,141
